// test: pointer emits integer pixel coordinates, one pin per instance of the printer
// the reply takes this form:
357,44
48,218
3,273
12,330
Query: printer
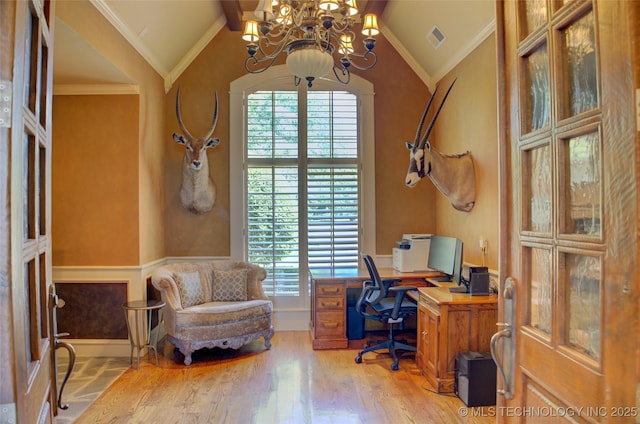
412,253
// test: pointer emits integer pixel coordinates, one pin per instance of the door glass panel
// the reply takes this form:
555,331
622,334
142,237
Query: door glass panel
582,184
535,14
583,309
29,194
538,169
540,295
42,190
537,93
580,70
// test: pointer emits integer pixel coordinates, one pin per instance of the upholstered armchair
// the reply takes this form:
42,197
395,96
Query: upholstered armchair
214,304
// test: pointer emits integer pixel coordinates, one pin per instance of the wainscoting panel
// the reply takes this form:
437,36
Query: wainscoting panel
93,309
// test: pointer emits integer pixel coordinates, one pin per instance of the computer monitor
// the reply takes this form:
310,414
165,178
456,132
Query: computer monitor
463,285
457,264
445,255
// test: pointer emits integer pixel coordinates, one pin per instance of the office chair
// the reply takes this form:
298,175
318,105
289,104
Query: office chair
374,304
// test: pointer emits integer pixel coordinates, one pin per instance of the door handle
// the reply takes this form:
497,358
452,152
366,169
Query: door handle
505,332
505,362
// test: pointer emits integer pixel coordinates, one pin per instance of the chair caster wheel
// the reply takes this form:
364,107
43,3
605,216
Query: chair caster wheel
358,359
394,367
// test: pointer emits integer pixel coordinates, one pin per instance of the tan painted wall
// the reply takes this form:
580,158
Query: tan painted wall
165,229
400,97
94,203
400,100
145,143
468,122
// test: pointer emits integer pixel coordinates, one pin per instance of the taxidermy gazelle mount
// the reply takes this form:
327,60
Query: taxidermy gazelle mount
453,175
197,192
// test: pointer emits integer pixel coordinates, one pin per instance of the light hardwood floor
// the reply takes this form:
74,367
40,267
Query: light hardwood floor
290,383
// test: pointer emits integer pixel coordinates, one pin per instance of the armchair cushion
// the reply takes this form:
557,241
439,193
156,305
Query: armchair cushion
229,285
190,288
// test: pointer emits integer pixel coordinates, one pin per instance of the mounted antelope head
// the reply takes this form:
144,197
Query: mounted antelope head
197,192
453,175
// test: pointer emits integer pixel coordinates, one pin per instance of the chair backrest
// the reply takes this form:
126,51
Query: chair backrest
378,289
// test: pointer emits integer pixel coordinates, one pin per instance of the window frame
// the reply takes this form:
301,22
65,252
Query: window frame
279,78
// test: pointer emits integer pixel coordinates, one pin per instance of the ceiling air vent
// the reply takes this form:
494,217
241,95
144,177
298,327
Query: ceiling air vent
436,37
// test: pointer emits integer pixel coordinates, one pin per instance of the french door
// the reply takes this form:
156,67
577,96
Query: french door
26,356
570,203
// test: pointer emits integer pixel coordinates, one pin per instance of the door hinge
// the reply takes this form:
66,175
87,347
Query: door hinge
7,413
6,98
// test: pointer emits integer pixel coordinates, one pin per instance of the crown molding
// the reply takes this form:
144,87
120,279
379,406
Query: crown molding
193,52
471,46
427,79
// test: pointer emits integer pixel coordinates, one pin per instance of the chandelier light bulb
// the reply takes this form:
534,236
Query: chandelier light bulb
250,33
351,6
346,44
264,10
370,25
329,5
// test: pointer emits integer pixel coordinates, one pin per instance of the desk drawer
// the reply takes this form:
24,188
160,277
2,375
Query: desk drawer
330,324
330,303
330,290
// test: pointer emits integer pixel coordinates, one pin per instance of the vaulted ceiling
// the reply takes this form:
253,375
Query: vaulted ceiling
169,34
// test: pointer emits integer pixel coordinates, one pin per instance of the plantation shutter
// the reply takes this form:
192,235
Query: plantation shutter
314,139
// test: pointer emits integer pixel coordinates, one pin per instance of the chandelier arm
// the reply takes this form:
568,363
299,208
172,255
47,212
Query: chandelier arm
297,16
366,56
257,64
343,71
344,26
265,44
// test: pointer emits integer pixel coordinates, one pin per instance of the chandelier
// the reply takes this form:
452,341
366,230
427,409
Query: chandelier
317,36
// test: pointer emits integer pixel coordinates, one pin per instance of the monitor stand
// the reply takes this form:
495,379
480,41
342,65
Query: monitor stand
459,289
442,279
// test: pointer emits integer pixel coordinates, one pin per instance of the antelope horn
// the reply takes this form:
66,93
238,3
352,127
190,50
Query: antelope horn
424,115
182,127
215,120
433,121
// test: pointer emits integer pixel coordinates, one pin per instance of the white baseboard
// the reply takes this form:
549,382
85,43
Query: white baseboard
297,320
99,347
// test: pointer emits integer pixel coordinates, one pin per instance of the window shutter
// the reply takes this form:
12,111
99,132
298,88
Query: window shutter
278,156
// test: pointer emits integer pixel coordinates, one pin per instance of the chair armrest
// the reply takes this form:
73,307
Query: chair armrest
255,275
361,308
401,293
402,289
388,283
162,279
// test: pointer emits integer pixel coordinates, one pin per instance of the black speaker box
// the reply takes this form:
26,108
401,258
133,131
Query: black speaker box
479,281
475,382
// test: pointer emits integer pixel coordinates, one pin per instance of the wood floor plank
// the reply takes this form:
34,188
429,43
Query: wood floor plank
290,383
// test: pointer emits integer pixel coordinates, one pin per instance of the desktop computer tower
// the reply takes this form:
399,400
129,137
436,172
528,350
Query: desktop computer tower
475,380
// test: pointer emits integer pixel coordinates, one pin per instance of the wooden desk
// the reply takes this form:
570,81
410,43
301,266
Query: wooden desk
448,324
328,324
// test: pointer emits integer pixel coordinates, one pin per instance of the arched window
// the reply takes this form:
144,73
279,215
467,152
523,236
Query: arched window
302,177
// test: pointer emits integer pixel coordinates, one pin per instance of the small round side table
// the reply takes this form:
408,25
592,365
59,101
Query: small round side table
140,333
